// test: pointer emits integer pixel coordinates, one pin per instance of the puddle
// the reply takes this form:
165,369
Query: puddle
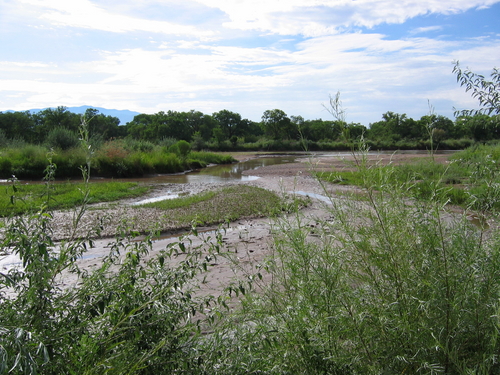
320,197
156,199
479,222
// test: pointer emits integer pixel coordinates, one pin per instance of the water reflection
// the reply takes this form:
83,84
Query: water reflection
217,173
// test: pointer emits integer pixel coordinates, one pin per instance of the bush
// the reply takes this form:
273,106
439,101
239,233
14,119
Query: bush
134,313
27,162
139,145
166,142
184,148
3,139
69,162
62,139
129,315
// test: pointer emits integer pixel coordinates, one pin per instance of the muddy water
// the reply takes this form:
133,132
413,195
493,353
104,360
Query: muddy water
217,173
213,174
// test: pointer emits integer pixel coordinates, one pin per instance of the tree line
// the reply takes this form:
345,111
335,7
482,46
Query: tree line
58,127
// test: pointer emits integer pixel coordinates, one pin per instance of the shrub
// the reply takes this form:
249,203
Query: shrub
110,159
139,145
62,139
166,142
133,314
125,320
69,162
3,139
184,148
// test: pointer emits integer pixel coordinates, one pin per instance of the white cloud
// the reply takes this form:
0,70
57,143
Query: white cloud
291,17
7,65
421,30
85,14
153,71
323,17
374,75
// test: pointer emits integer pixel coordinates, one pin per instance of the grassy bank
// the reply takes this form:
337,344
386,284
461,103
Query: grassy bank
24,198
112,159
463,181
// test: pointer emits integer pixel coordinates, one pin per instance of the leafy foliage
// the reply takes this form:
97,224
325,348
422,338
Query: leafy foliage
135,313
62,139
486,92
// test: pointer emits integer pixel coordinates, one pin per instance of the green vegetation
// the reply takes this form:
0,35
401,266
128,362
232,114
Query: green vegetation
461,181
28,197
386,285
132,314
115,158
220,206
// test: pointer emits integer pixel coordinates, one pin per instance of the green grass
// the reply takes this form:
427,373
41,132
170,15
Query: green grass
112,159
458,180
20,199
222,205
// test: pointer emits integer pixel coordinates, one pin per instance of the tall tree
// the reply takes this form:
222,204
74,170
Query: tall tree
104,126
229,122
392,127
18,125
137,128
277,125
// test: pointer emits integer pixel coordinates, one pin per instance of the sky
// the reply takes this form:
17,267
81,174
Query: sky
246,56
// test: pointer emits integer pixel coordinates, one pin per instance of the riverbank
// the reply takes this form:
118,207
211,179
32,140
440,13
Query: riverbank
248,240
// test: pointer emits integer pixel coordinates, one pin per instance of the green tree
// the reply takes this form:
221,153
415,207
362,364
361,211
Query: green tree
18,125
479,127
392,127
356,130
104,126
178,125
137,127
229,122
277,125
195,121
59,117
251,130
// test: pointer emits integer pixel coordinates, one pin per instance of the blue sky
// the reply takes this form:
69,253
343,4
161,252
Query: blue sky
246,56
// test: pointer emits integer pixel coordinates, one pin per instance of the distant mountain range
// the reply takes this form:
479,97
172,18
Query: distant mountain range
123,114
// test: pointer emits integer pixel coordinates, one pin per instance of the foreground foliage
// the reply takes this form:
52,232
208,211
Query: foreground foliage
380,286
129,315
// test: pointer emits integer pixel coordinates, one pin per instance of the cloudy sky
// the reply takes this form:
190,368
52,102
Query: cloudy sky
246,56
